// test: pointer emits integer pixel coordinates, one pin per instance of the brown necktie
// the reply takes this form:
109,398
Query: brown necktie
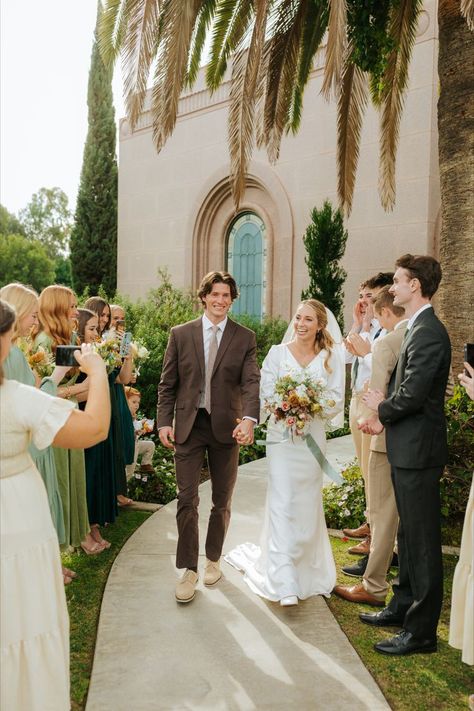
213,346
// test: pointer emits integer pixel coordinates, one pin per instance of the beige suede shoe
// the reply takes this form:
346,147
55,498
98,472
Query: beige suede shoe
186,587
212,572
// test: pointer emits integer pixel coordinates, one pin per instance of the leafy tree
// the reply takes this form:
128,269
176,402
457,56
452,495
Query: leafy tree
94,235
63,273
9,224
47,218
26,261
325,242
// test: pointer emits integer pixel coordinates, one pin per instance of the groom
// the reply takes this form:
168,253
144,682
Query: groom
413,416
208,402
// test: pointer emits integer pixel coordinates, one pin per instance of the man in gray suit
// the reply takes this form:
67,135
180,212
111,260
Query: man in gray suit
413,416
208,403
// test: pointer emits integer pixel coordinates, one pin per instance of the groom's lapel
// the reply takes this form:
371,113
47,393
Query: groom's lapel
199,344
227,336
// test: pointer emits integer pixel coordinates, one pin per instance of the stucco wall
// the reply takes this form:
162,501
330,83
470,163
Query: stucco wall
174,207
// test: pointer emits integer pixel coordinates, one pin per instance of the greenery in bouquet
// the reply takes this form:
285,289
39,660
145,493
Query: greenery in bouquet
297,399
109,351
344,504
40,360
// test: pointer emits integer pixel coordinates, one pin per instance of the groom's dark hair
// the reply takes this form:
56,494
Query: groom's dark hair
211,278
424,268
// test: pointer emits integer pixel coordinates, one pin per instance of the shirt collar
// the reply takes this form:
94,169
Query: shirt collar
400,323
412,320
207,323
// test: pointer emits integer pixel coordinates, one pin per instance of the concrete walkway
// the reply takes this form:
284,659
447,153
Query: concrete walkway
228,649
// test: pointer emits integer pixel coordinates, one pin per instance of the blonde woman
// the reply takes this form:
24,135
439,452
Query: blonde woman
57,316
294,560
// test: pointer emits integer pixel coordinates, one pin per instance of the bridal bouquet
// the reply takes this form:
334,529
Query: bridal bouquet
297,399
109,351
41,361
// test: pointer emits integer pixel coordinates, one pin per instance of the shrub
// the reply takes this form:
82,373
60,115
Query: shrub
344,504
457,476
159,487
268,333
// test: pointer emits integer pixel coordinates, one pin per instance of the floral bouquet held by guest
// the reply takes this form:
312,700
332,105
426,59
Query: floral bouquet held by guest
41,361
109,351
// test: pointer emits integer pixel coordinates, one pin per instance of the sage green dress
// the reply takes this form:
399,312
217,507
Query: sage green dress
16,368
71,473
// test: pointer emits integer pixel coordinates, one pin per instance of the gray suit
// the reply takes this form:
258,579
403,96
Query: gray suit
413,416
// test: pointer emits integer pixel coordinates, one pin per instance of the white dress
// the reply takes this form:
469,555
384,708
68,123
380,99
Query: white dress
294,556
34,623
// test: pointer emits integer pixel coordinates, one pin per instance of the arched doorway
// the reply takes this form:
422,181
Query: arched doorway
245,260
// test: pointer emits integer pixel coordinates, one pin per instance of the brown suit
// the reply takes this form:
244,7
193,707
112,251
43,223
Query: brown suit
382,508
234,394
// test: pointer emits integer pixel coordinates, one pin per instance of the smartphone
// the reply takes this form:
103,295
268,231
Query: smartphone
125,344
65,355
469,355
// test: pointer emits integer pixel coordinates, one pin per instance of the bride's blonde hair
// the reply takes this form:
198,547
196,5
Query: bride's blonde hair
323,339
22,298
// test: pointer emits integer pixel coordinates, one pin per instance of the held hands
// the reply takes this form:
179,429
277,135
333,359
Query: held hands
243,433
371,425
373,398
166,435
90,362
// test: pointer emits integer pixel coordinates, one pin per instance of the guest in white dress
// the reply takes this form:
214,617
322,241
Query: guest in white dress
34,624
294,560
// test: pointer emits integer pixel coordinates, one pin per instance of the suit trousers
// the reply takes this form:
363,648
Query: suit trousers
383,517
361,443
419,593
223,461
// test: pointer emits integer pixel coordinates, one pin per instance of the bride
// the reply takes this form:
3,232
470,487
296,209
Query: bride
294,560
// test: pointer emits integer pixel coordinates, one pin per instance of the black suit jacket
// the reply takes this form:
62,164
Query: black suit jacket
413,414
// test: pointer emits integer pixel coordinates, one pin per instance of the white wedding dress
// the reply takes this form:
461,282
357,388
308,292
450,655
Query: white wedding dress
294,556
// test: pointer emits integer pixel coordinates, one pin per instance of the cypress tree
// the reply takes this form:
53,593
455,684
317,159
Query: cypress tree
94,234
325,242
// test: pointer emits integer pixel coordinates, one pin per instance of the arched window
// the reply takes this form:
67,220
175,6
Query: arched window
246,253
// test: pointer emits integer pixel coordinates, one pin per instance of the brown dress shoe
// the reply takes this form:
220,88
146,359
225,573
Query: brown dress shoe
357,593
361,532
186,587
147,468
362,548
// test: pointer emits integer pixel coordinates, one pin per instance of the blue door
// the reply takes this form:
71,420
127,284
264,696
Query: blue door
246,262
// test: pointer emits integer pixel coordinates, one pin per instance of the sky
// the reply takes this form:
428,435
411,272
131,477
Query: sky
45,52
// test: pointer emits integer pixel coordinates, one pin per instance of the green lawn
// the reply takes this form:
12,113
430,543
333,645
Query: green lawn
421,682
84,596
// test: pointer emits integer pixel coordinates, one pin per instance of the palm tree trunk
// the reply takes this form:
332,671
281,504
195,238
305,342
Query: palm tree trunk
456,164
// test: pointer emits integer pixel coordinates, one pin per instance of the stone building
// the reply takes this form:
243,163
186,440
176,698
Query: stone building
176,209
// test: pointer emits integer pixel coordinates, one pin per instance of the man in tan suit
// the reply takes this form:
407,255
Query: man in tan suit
208,403
382,507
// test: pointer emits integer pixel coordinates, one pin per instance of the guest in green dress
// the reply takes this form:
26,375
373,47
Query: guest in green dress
16,367
57,314
122,425
100,475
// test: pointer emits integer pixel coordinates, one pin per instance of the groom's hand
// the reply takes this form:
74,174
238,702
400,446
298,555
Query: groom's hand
243,433
166,435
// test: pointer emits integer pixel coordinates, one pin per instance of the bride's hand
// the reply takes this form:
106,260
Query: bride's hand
243,433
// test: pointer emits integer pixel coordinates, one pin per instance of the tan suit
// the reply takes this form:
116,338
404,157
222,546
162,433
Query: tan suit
235,388
383,514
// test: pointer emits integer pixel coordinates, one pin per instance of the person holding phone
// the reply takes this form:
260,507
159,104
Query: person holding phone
57,314
34,624
117,318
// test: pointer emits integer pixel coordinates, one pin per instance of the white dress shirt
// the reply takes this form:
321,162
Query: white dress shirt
207,326
412,320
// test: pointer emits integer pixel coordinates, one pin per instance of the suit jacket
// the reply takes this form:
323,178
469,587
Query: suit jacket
385,352
413,414
235,382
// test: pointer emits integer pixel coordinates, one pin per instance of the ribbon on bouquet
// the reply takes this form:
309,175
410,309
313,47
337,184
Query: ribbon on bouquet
317,453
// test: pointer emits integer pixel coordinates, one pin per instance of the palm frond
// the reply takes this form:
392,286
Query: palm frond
351,104
178,18
140,47
112,29
402,28
204,19
242,101
336,46
467,11
232,20
282,65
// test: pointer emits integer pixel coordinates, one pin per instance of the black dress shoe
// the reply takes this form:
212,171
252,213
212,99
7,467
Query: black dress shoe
357,570
404,643
384,618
